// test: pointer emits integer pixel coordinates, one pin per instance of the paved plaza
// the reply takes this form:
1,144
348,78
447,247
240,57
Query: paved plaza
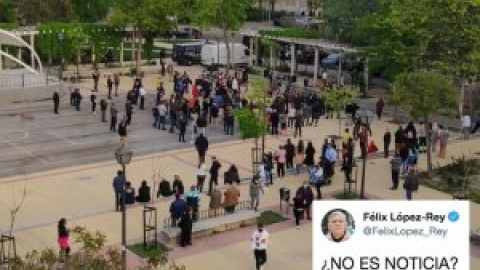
66,163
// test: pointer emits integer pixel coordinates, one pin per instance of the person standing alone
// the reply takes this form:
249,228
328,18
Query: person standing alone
118,185
113,117
93,99
109,86
63,239
260,240
103,109
56,101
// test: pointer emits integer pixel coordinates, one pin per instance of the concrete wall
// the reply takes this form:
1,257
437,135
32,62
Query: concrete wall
21,95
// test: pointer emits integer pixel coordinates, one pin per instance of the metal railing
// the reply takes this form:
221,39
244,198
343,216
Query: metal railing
212,213
8,250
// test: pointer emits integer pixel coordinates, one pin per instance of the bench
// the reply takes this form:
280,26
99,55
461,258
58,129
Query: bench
208,224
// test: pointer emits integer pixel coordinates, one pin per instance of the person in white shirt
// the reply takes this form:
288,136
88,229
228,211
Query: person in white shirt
260,240
162,114
291,116
142,98
466,125
201,174
262,173
235,84
193,127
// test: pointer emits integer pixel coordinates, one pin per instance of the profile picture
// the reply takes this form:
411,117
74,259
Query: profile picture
338,225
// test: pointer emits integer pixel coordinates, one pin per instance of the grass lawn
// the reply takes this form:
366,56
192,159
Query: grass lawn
149,251
270,217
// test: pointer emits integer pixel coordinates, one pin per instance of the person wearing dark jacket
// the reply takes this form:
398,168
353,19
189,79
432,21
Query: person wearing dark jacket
143,193
309,155
399,139
117,185
387,138
201,144
182,126
306,193
231,175
164,189
290,154
56,101
177,207
177,185
274,120
202,124
113,117
78,98
186,225
109,86
214,174
298,125
128,112
122,131
93,100
129,193
103,109
298,209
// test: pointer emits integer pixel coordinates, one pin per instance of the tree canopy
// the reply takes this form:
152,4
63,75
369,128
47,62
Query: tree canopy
228,15
36,11
408,34
8,14
424,93
91,10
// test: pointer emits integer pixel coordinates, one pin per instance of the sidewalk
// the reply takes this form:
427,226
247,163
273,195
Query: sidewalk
84,196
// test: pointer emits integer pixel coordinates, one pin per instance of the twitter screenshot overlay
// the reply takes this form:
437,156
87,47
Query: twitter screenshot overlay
391,235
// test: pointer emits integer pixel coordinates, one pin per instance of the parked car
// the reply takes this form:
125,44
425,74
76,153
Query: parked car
188,32
303,21
184,32
331,61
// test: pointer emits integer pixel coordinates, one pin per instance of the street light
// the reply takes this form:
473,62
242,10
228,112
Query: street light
60,40
123,155
365,118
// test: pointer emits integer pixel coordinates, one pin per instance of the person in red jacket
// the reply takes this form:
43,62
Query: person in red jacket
372,148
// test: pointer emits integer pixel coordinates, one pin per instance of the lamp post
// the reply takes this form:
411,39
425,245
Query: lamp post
123,155
60,40
365,117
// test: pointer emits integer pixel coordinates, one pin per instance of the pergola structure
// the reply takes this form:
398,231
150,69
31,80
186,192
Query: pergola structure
11,39
317,44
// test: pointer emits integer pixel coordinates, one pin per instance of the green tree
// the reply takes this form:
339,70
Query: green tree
77,37
341,17
338,99
393,99
143,16
90,256
91,10
412,34
251,121
423,94
8,14
36,11
228,15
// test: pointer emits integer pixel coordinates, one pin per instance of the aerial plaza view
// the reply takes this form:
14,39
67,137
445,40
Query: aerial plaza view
239,134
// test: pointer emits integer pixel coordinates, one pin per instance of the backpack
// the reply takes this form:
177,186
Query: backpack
192,201
316,179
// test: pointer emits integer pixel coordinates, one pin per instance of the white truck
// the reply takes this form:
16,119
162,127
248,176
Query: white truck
216,54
